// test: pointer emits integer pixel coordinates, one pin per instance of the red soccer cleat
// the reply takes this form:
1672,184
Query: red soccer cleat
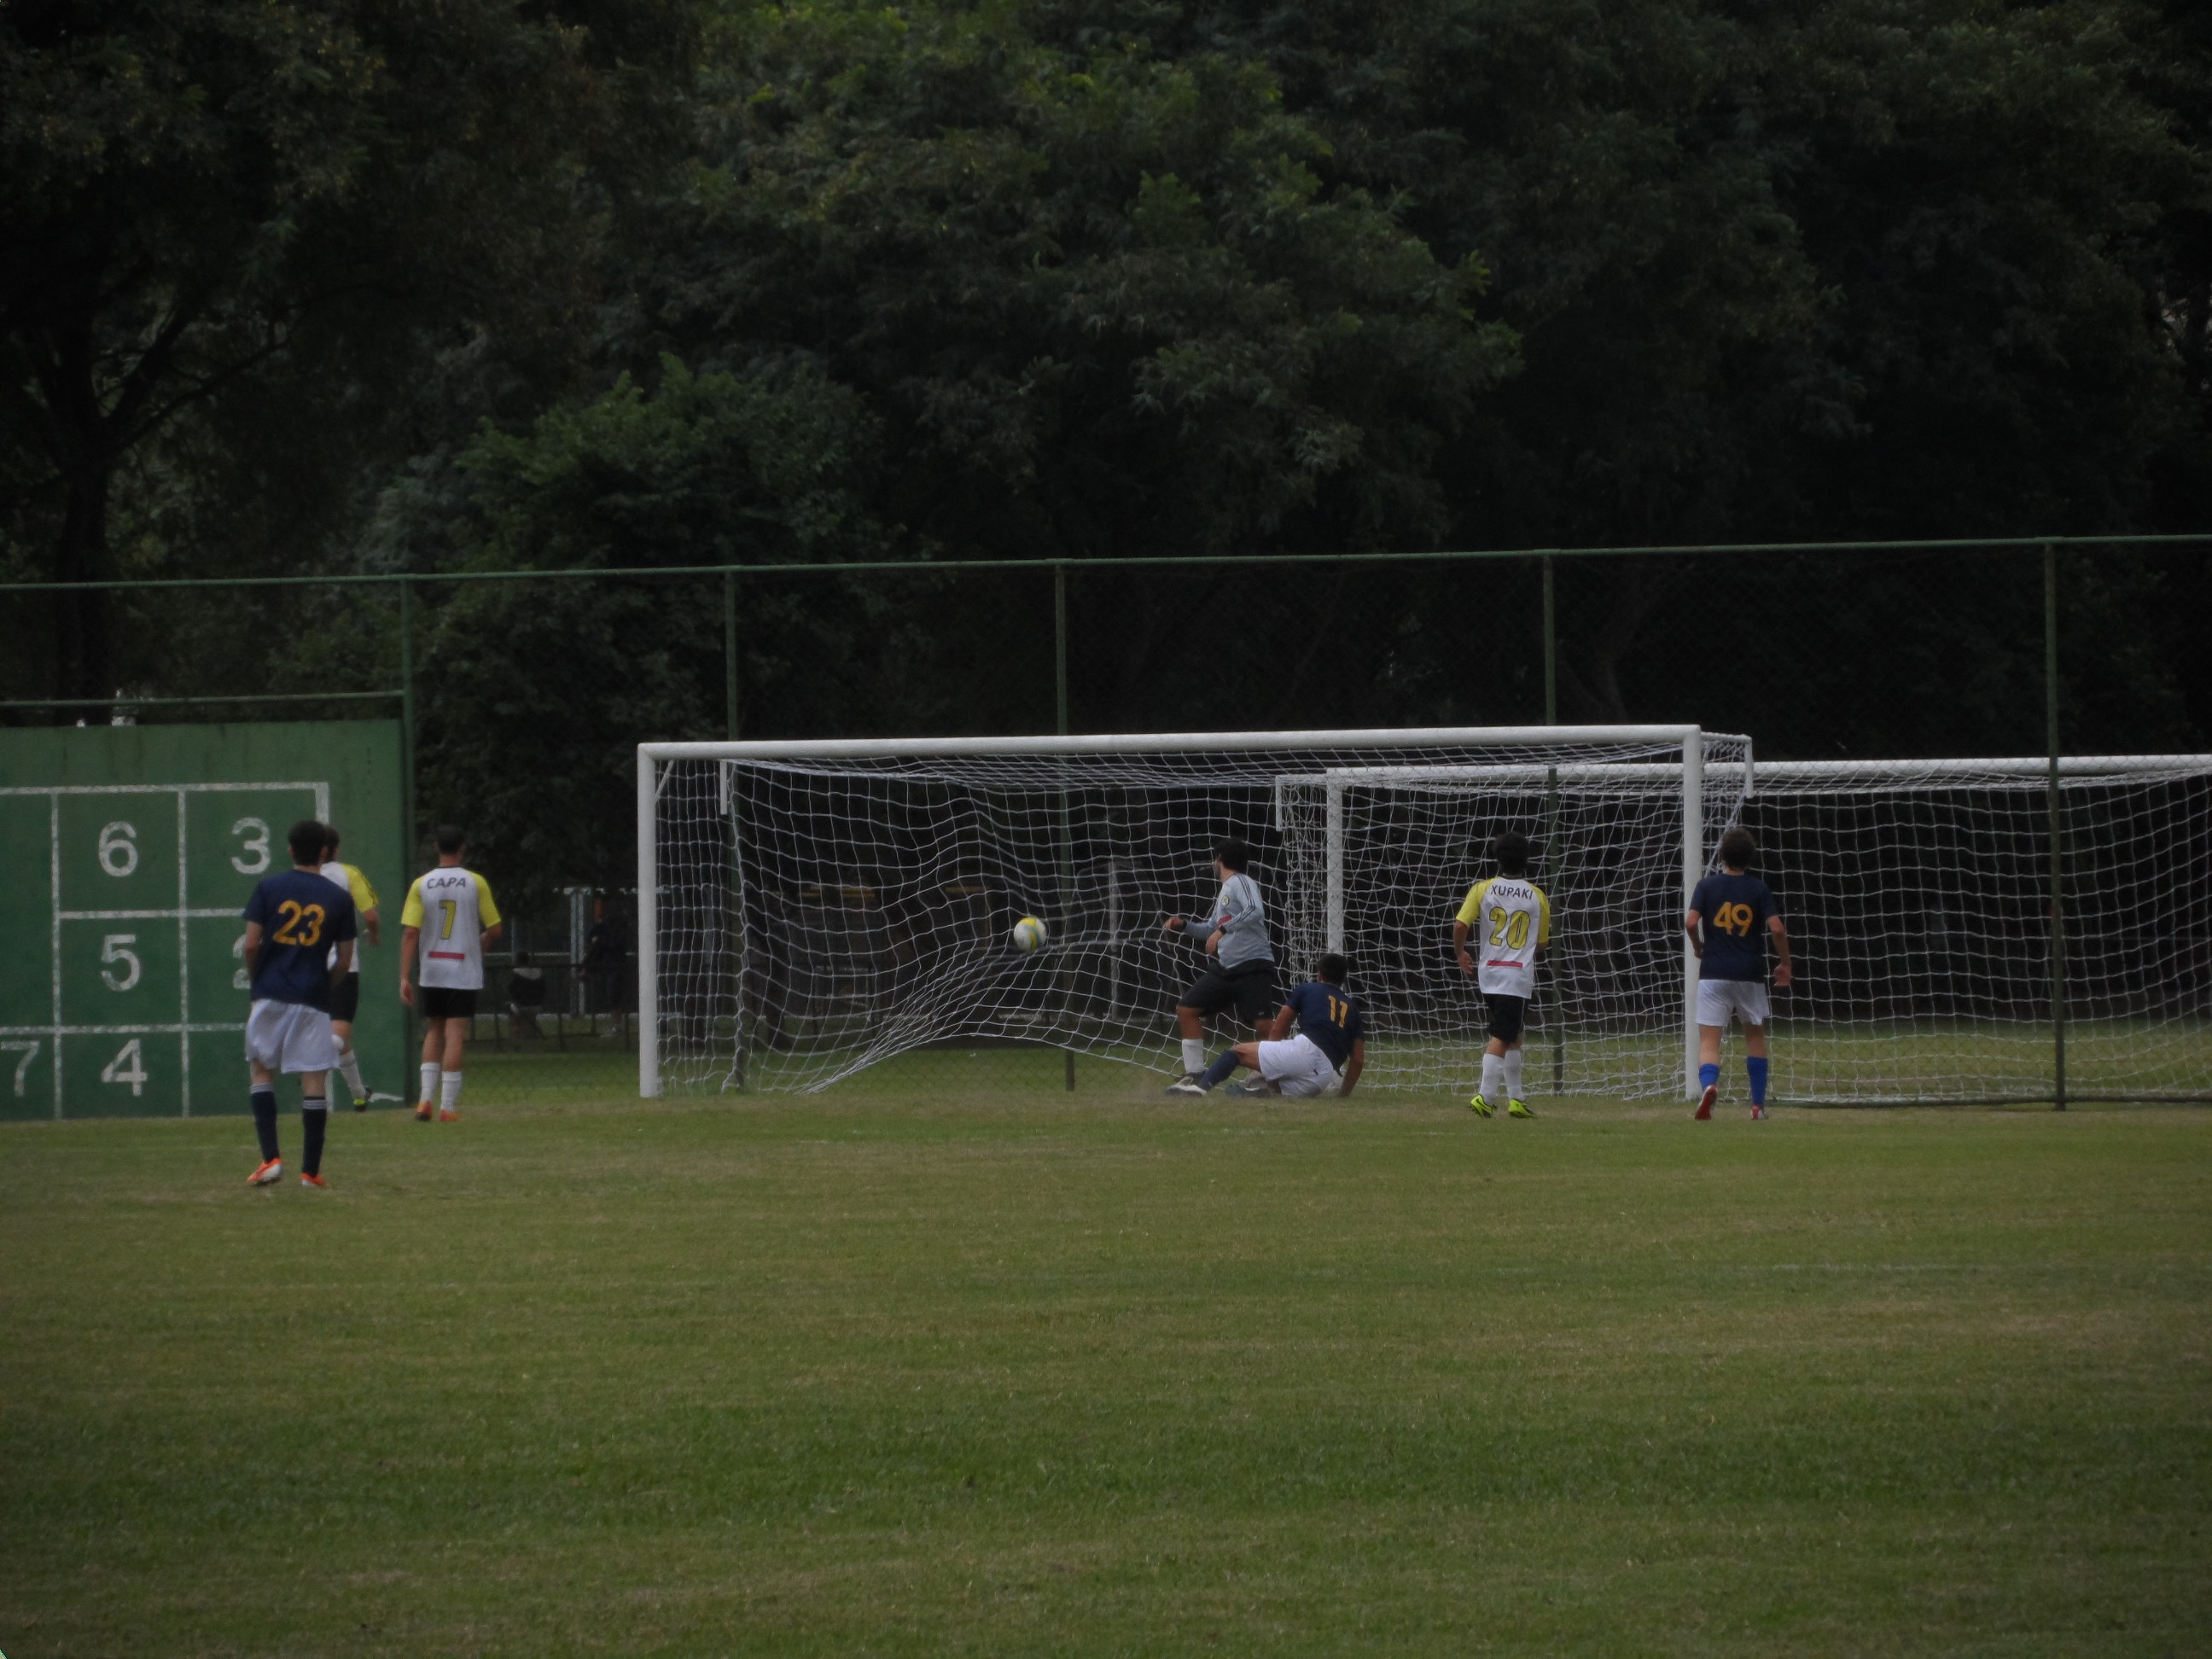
1705,1102
425,1112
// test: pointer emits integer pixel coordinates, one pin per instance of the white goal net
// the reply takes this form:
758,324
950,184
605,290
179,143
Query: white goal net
1918,896
809,909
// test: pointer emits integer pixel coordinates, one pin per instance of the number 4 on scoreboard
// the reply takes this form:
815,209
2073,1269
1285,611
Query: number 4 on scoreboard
129,1066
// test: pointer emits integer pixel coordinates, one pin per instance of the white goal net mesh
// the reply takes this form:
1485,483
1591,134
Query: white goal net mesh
1917,895
817,914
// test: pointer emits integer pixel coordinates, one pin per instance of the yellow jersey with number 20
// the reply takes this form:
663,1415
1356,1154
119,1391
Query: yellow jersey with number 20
452,906
1507,919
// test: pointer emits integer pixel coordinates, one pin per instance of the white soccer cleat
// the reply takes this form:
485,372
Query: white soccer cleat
1189,1086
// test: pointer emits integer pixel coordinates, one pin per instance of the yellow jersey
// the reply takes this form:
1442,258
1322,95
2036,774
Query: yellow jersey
1507,919
451,907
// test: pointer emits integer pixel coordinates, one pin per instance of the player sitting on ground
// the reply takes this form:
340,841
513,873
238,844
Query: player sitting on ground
1324,1054
1515,920
295,921
345,986
450,913
1734,907
1242,972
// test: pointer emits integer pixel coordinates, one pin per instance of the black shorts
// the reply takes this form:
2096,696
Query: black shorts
1507,1015
345,998
447,1002
1250,988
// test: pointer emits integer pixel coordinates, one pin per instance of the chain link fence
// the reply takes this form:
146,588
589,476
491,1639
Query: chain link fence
523,694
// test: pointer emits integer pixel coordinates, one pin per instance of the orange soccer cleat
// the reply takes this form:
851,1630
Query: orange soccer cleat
271,1170
448,1117
314,1180
424,1112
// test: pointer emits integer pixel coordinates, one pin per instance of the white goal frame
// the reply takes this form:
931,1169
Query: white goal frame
651,758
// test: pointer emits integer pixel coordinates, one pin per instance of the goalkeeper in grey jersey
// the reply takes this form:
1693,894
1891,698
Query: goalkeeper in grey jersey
1242,972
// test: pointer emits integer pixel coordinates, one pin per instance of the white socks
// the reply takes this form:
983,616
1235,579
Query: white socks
1193,1054
349,1069
451,1103
1493,1076
429,1095
1512,1058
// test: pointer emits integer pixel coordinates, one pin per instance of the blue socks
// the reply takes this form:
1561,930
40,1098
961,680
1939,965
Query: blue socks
1221,1069
265,1121
1756,1064
1708,1076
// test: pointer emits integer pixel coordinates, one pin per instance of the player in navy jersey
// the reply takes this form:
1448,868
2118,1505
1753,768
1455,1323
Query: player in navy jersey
293,921
1728,912
1325,1053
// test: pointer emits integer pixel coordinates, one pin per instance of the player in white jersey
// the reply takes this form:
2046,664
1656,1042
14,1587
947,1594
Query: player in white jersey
450,917
345,988
1508,921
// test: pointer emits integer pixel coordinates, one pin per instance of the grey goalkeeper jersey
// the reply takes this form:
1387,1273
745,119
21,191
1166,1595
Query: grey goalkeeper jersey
1243,921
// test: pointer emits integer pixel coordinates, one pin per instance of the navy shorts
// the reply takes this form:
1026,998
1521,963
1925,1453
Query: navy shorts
446,1002
1507,1015
1250,988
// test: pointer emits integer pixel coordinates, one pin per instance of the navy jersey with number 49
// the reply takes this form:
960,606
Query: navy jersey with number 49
1735,909
1328,1017
301,916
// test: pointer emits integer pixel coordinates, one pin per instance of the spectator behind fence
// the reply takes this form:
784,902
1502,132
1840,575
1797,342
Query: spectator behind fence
525,994
602,967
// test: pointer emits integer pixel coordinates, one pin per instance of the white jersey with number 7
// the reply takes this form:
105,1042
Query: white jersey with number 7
452,906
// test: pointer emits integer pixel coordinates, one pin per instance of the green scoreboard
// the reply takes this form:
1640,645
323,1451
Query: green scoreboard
126,855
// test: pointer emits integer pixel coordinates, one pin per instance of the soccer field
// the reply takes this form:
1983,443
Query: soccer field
933,1363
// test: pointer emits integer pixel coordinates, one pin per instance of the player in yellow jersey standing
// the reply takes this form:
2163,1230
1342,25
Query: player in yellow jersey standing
1506,921
345,988
449,919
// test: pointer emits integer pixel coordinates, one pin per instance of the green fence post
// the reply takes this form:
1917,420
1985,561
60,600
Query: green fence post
730,650
2057,829
1552,824
1066,831
407,803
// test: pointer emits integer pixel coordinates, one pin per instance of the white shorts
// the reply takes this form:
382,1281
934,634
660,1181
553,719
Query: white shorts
1719,997
290,1036
1298,1068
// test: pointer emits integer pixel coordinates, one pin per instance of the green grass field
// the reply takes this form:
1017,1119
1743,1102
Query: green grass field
950,1362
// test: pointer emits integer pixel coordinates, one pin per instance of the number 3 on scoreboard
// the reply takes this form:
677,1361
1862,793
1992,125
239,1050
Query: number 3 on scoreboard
129,1066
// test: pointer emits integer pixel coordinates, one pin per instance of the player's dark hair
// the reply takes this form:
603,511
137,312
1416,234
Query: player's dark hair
1511,852
1738,848
451,837
306,839
330,842
1333,968
1233,853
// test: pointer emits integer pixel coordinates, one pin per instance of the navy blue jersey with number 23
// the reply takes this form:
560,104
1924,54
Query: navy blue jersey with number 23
301,916
1328,1018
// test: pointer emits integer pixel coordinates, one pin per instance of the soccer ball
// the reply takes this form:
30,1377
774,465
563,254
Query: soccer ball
1028,933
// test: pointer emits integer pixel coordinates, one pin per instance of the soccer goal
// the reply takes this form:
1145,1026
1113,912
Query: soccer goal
1920,897
808,909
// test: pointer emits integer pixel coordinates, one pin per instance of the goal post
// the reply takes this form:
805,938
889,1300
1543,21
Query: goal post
808,909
